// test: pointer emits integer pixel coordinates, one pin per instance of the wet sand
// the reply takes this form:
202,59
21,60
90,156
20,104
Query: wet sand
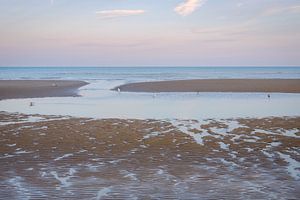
216,85
13,89
60,157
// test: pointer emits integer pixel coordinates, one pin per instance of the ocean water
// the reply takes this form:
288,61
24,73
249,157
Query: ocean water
131,74
98,101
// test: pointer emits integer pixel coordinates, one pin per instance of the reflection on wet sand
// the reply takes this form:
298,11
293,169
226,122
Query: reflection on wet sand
64,157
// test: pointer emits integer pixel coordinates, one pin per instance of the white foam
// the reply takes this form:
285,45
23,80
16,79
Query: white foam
233,154
219,131
275,144
32,119
132,176
11,145
250,140
41,128
284,132
7,156
116,161
72,171
103,193
64,181
224,146
231,125
64,156
82,151
150,135
186,126
43,174
22,152
293,165
160,172
291,133
92,168
269,155
249,149
17,182
228,163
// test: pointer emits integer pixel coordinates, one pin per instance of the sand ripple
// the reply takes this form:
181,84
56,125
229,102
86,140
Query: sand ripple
77,158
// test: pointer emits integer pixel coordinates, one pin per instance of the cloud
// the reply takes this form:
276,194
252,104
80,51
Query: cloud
277,10
240,4
118,13
188,7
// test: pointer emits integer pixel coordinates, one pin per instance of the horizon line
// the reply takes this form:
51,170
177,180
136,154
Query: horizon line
161,66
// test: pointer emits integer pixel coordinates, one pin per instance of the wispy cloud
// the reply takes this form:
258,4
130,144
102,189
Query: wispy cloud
240,4
278,10
118,13
188,7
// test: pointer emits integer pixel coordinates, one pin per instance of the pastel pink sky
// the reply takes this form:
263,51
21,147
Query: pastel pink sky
149,33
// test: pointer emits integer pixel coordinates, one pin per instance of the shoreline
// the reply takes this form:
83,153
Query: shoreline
215,85
16,89
43,153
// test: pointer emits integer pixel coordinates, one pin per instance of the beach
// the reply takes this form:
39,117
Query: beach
82,158
13,89
86,140
216,85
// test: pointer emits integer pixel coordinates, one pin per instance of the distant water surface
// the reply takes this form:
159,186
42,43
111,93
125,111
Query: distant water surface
99,101
133,74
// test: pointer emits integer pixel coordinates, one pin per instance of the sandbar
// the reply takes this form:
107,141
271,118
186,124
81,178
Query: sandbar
14,89
216,85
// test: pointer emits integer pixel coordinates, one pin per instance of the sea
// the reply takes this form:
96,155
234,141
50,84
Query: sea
99,101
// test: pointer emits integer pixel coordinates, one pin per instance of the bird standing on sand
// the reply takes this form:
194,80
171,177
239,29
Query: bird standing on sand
119,90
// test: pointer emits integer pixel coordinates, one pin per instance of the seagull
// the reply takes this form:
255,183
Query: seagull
119,90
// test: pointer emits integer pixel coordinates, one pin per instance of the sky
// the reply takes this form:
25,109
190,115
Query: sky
150,33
